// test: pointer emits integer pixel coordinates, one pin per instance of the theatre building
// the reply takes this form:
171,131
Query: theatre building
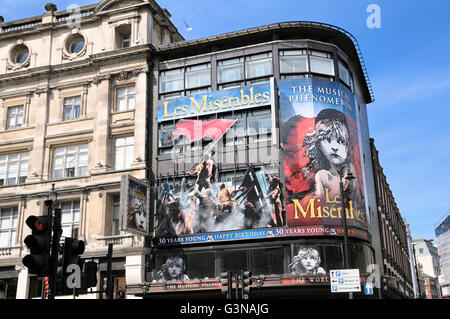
251,131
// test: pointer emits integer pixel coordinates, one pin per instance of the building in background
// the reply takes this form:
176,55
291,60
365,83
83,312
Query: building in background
412,263
427,256
73,95
398,280
443,245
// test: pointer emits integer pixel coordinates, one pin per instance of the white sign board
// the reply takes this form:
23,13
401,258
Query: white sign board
345,280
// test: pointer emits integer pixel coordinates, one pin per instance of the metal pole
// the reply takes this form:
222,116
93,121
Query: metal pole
344,217
236,279
109,283
54,256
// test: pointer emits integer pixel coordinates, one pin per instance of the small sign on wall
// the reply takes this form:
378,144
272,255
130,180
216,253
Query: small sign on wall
134,205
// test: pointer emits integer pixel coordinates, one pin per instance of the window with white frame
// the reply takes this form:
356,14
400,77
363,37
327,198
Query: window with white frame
8,226
258,65
125,99
13,168
70,161
123,36
171,80
70,218
123,152
293,61
198,75
231,70
72,108
15,117
345,75
115,215
321,63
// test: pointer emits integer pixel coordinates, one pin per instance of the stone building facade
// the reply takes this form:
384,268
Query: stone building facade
73,112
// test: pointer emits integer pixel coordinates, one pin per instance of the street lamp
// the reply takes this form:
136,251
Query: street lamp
349,176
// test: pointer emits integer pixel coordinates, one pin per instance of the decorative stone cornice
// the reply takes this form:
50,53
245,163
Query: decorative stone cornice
40,91
101,77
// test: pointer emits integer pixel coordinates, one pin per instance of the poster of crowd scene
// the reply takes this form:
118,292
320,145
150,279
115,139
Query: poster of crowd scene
319,133
202,203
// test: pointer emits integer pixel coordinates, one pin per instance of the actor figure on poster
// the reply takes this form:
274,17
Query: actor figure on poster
138,216
207,208
204,173
307,262
276,199
173,269
329,148
226,201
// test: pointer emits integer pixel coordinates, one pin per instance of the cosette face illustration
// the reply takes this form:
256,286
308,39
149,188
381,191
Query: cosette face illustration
335,148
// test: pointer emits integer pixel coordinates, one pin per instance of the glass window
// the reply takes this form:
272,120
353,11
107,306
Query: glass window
72,108
8,288
20,54
198,75
125,99
230,70
344,73
197,91
70,161
259,125
8,226
172,80
115,215
15,117
169,96
124,148
321,62
233,261
165,130
293,61
125,40
200,265
267,261
258,65
70,218
75,44
13,169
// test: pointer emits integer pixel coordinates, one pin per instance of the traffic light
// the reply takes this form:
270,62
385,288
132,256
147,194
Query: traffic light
121,294
246,283
226,281
90,274
73,248
38,261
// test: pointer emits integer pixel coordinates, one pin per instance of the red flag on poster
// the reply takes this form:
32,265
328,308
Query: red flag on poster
196,130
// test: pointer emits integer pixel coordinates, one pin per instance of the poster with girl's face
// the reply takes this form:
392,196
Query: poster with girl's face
319,132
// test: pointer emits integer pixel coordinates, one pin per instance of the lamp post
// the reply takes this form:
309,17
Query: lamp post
349,177
55,225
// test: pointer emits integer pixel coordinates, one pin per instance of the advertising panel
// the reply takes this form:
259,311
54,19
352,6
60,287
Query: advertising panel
443,227
214,102
202,204
319,133
319,139
134,205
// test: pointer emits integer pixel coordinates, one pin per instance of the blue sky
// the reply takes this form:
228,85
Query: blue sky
407,62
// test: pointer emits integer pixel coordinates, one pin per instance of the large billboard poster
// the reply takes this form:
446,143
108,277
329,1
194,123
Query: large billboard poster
320,140
205,207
